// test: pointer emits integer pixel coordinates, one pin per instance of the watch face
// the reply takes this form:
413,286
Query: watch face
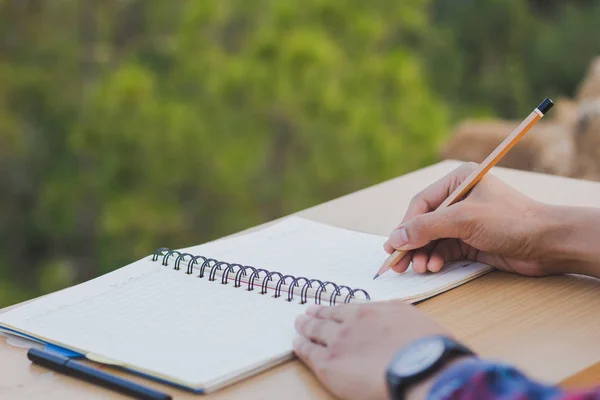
418,357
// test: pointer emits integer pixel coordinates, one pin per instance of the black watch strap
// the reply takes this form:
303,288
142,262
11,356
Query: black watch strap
398,385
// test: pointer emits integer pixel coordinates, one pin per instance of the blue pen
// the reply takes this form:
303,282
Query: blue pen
93,375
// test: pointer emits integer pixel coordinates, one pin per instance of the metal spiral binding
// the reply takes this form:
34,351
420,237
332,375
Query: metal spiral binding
212,266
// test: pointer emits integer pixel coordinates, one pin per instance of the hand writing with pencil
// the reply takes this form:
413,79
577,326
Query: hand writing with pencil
445,194
496,225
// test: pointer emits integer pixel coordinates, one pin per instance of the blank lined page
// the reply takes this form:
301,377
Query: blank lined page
166,323
300,247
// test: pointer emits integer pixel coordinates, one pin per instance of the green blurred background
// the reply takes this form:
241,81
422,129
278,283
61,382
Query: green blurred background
128,125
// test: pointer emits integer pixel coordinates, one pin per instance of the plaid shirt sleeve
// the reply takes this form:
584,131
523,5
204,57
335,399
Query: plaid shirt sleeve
480,379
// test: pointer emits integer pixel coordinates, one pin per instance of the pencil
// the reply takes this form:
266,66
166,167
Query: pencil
480,171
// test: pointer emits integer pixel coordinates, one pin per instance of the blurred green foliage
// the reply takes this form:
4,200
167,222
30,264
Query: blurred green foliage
501,57
127,125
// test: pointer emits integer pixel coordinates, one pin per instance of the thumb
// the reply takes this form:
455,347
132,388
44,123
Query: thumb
454,222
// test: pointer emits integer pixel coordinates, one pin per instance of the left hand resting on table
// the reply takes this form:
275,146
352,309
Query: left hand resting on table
349,346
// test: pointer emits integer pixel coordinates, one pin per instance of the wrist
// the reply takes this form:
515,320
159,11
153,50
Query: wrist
569,240
415,367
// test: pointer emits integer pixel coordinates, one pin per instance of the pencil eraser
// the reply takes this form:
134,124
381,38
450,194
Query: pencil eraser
545,106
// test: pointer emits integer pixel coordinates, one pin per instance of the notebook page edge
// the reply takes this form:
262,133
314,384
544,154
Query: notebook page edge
240,375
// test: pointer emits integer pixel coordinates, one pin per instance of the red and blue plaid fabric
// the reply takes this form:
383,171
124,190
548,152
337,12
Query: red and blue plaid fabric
479,379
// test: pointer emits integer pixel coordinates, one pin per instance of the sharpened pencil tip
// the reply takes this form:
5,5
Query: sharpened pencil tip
376,276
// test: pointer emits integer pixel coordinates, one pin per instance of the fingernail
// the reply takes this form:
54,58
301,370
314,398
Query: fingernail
399,238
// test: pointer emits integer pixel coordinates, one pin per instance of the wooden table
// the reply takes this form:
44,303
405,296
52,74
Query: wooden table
548,327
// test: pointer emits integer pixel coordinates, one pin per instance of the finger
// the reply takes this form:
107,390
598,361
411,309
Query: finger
421,257
435,194
471,254
402,265
450,250
335,313
419,262
455,222
320,330
388,247
435,263
437,257
310,353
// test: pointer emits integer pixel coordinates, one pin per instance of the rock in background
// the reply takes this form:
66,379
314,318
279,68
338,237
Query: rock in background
566,142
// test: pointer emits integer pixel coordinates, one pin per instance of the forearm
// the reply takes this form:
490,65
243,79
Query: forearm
571,239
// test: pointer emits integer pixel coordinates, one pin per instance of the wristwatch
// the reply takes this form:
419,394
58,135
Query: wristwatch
419,360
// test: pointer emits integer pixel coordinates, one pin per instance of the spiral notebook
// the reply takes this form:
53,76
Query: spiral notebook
207,316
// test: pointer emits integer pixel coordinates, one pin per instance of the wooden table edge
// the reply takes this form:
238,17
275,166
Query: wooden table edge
587,378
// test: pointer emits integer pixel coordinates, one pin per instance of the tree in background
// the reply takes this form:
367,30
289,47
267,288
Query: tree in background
131,125
502,57
127,125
